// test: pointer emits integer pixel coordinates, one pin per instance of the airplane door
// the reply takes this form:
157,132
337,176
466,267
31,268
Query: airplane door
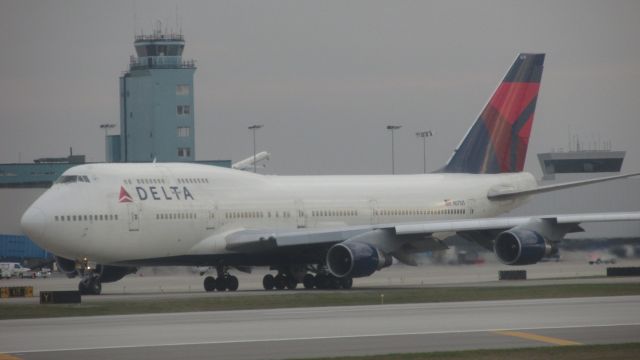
373,205
134,217
471,205
212,221
301,215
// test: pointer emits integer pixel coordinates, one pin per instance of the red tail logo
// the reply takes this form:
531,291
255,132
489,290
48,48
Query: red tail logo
124,196
497,142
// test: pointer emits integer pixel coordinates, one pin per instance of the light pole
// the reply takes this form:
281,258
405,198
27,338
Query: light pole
254,128
392,128
106,128
424,135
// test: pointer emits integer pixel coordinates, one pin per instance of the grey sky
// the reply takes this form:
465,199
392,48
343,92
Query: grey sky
324,77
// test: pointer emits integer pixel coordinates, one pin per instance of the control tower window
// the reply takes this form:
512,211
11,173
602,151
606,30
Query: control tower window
151,50
184,152
173,50
184,109
183,89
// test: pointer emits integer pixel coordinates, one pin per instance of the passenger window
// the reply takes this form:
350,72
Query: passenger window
66,179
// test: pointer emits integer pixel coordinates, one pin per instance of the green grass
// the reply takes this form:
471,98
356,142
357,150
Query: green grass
582,352
313,299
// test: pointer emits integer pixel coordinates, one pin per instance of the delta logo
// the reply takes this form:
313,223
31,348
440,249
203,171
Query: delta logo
156,193
124,195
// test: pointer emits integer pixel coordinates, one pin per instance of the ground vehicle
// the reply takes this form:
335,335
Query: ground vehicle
14,269
596,258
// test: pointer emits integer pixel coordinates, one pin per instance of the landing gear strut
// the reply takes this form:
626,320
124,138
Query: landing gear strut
225,281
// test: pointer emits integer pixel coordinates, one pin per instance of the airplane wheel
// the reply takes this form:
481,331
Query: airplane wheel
95,287
209,283
280,282
322,281
222,283
232,283
268,282
82,288
308,281
292,283
334,282
346,283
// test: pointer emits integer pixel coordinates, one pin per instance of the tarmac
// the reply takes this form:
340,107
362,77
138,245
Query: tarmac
328,331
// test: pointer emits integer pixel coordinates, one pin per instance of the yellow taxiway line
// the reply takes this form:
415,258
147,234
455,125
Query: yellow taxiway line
541,338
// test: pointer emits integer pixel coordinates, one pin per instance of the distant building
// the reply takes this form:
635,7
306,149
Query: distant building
580,162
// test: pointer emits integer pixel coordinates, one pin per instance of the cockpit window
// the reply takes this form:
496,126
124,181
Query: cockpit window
66,179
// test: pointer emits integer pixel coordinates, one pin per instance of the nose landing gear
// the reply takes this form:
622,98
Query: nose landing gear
90,284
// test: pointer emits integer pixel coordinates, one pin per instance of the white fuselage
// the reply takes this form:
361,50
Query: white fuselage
172,209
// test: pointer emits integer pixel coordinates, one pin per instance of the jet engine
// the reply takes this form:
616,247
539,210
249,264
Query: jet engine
521,247
68,267
355,259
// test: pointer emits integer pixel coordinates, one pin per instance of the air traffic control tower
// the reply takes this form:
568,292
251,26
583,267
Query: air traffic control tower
156,103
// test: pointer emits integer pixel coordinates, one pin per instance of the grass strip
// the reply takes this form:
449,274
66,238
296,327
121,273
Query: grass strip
582,352
316,299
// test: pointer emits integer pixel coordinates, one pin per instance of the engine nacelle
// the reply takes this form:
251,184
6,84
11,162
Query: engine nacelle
355,259
521,247
109,273
68,267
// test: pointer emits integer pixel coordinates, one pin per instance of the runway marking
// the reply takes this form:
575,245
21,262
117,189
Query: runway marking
536,337
221,342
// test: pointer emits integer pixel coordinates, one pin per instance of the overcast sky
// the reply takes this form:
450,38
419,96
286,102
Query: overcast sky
324,77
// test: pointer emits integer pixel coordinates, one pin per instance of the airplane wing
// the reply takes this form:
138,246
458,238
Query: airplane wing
504,194
402,240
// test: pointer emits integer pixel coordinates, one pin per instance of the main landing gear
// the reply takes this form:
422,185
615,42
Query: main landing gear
223,282
289,280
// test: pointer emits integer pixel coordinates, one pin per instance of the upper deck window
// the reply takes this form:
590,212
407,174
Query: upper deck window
66,179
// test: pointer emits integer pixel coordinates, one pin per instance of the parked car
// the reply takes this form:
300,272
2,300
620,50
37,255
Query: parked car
14,269
42,273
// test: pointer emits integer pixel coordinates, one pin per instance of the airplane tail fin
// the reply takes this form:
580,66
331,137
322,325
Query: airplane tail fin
497,142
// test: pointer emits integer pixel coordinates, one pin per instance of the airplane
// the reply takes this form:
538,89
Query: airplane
250,162
103,221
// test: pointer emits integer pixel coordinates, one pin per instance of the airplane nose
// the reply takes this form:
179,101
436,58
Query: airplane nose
33,222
